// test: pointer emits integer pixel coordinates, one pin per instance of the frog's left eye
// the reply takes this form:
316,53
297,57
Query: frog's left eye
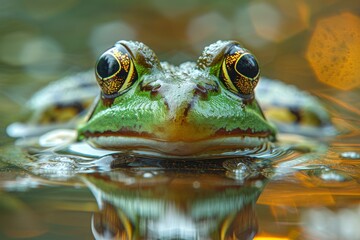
239,70
115,71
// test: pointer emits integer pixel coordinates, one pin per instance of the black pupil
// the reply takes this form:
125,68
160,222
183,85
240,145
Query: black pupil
248,66
107,66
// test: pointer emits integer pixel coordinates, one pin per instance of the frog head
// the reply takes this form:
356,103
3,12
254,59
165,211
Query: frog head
191,109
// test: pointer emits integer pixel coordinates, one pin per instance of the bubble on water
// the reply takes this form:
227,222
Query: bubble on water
55,169
148,175
350,155
237,169
333,175
325,176
259,184
56,166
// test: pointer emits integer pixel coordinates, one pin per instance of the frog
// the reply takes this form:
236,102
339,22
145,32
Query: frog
206,107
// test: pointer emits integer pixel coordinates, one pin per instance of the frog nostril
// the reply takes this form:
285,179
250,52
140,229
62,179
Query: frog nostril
151,87
203,90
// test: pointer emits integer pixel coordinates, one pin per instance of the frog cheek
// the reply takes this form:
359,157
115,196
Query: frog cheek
239,71
115,71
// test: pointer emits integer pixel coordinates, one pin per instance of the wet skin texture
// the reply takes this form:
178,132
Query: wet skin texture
177,110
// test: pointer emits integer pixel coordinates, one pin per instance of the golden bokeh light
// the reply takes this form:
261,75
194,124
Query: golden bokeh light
334,51
279,20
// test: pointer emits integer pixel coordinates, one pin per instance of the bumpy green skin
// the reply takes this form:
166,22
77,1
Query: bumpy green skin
186,103
139,111
134,110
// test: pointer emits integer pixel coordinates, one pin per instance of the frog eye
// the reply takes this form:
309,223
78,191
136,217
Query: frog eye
115,71
239,70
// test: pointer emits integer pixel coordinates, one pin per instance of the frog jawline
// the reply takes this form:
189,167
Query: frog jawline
179,148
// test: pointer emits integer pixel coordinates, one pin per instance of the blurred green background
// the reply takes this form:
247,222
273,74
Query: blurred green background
43,40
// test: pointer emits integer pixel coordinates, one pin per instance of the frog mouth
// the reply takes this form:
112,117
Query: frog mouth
221,141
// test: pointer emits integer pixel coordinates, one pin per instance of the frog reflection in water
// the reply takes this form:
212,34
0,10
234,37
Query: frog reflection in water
208,107
176,204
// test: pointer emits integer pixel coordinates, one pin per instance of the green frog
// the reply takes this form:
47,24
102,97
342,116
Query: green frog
204,107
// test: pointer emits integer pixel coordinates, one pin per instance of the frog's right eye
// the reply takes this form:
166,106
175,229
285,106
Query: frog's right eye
239,70
115,71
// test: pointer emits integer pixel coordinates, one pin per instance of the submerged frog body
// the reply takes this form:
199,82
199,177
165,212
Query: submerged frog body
191,109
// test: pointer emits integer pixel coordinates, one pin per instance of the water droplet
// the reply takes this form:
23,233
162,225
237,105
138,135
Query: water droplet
328,177
147,175
259,184
350,155
54,166
333,175
237,169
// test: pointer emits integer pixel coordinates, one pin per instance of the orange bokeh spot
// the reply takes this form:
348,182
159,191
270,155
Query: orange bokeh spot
279,20
334,51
